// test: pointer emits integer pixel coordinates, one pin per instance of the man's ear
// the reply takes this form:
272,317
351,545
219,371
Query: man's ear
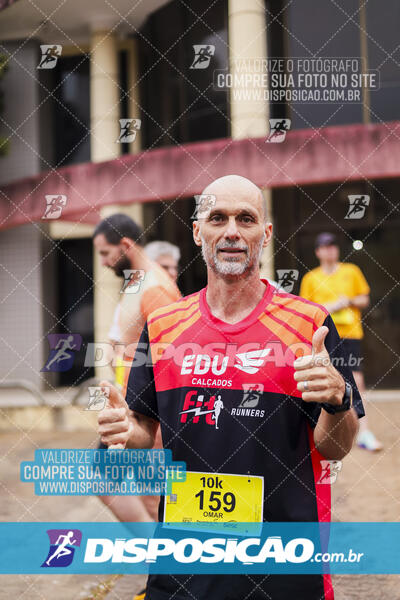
196,233
126,244
268,234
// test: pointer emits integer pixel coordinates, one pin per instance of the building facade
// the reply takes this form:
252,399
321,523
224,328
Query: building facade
141,63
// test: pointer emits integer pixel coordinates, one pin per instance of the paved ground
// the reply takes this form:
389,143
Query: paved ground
367,489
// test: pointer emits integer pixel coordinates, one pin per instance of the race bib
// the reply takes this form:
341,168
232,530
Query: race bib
215,497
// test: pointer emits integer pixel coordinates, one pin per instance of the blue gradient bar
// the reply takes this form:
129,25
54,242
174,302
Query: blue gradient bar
358,548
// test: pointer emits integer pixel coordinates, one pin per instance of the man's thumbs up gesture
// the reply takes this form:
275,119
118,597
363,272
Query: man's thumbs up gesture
115,425
317,378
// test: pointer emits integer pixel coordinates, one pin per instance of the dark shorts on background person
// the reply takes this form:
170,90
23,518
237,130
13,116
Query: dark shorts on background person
351,348
101,446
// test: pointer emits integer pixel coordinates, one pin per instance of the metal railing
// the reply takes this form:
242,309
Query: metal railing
27,386
57,408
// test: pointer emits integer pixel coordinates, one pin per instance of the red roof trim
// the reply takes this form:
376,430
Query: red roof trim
352,152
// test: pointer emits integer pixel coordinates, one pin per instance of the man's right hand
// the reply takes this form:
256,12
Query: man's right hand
114,423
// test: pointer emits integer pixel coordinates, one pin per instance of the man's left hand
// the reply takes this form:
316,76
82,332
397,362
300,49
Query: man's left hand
317,378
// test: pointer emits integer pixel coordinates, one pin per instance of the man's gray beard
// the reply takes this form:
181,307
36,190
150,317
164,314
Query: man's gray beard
231,268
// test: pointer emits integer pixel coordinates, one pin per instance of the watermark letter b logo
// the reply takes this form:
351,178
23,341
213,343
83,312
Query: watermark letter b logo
286,279
278,130
202,56
54,206
128,130
357,206
132,281
50,55
329,471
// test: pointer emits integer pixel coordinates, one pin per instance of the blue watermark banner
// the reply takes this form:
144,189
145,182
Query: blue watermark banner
289,548
82,472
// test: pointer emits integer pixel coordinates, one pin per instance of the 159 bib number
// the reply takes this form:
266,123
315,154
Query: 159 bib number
213,501
210,497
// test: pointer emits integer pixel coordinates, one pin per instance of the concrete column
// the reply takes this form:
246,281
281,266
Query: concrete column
133,89
249,118
105,116
247,41
24,320
104,96
104,122
267,259
134,210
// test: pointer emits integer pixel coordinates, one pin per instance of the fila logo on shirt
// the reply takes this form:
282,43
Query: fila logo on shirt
196,406
200,364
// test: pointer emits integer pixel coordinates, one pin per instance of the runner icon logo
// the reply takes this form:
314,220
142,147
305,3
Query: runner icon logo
62,351
204,204
54,206
252,393
286,279
132,281
202,56
50,56
329,471
357,206
128,130
63,543
97,397
278,130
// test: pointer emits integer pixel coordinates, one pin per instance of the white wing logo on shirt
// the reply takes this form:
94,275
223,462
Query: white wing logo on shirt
250,362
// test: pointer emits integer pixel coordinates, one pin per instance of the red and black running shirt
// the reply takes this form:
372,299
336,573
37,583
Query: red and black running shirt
264,428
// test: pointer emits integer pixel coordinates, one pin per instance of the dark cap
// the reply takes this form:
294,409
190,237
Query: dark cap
326,239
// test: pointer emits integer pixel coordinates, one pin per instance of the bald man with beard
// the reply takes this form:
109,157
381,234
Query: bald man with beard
240,334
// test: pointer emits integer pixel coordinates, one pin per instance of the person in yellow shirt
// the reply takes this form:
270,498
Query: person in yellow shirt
343,290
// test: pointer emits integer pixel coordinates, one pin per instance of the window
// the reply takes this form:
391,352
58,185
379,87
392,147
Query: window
309,29
71,128
384,55
75,302
179,103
